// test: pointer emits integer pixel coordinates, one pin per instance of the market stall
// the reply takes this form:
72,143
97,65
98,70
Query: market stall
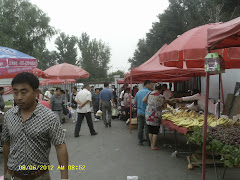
191,58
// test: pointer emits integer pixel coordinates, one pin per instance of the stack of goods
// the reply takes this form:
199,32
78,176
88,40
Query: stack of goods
191,119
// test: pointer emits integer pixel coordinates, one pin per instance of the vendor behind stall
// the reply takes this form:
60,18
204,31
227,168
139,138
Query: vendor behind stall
199,102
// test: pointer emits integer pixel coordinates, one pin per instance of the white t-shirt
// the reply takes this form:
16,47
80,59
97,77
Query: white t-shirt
121,97
48,94
83,96
167,94
212,108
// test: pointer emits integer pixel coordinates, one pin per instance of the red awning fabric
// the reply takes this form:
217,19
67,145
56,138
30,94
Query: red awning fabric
37,72
66,71
224,35
51,82
189,47
153,70
69,81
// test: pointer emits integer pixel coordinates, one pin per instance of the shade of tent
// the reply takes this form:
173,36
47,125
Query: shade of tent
66,71
224,35
13,61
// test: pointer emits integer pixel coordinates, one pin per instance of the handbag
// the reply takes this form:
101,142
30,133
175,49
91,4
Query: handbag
73,105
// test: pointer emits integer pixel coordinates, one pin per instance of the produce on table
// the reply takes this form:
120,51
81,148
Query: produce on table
220,139
229,135
191,119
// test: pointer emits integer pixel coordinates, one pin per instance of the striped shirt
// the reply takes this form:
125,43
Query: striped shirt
30,141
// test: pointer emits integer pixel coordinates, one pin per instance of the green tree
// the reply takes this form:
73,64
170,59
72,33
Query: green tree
118,72
67,50
180,16
23,26
48,59
95,57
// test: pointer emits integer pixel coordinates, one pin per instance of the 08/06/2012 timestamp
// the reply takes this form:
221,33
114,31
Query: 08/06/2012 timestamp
51,167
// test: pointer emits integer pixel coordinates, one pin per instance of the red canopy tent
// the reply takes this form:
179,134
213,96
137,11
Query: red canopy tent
224,35
190,47
151,69
66,71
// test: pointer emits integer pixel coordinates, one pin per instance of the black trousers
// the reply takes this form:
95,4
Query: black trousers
127,113
79,123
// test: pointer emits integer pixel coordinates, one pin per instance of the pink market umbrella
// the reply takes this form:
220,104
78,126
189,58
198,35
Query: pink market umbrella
66,71
13,61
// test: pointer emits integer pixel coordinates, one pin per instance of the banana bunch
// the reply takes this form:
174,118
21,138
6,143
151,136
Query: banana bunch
191,119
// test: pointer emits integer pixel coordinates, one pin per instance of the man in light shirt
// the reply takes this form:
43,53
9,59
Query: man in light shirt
48,94
84,99
166,92
200,101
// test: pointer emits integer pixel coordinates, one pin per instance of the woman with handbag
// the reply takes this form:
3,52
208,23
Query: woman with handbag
155,104
74,104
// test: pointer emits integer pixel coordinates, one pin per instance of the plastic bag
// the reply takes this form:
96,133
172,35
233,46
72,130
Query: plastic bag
114,111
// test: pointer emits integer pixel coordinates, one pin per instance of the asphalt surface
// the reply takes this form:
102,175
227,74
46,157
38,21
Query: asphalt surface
114,154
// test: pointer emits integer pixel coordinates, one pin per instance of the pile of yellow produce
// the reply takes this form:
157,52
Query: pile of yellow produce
191,119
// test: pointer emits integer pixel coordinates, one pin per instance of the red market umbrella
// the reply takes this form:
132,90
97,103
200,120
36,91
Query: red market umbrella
13,61
224,35
69,81
51,82
37,72
66,71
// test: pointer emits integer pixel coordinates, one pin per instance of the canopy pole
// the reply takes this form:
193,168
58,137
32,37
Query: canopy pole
219,94
205,128
130,105
222,95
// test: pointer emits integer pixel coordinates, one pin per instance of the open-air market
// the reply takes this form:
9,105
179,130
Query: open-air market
114,90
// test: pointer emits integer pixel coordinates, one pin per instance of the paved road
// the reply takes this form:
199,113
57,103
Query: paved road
114,155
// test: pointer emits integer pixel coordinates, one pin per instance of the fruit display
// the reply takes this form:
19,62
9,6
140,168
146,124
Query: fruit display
190,119
227,135
222,140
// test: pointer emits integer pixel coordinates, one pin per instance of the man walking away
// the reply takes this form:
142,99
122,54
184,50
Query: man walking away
28,131
57,103
106,96
141,108
84,99
96,103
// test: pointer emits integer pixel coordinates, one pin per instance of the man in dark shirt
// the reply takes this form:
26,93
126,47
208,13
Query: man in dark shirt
106,96
28,131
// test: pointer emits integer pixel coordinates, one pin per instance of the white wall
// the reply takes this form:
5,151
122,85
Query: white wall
229,79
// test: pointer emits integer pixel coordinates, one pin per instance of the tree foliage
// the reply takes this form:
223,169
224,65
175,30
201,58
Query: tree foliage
118,72
180,16
95,56
67,50
23,26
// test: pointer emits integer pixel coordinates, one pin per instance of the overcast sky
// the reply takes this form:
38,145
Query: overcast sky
118,23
